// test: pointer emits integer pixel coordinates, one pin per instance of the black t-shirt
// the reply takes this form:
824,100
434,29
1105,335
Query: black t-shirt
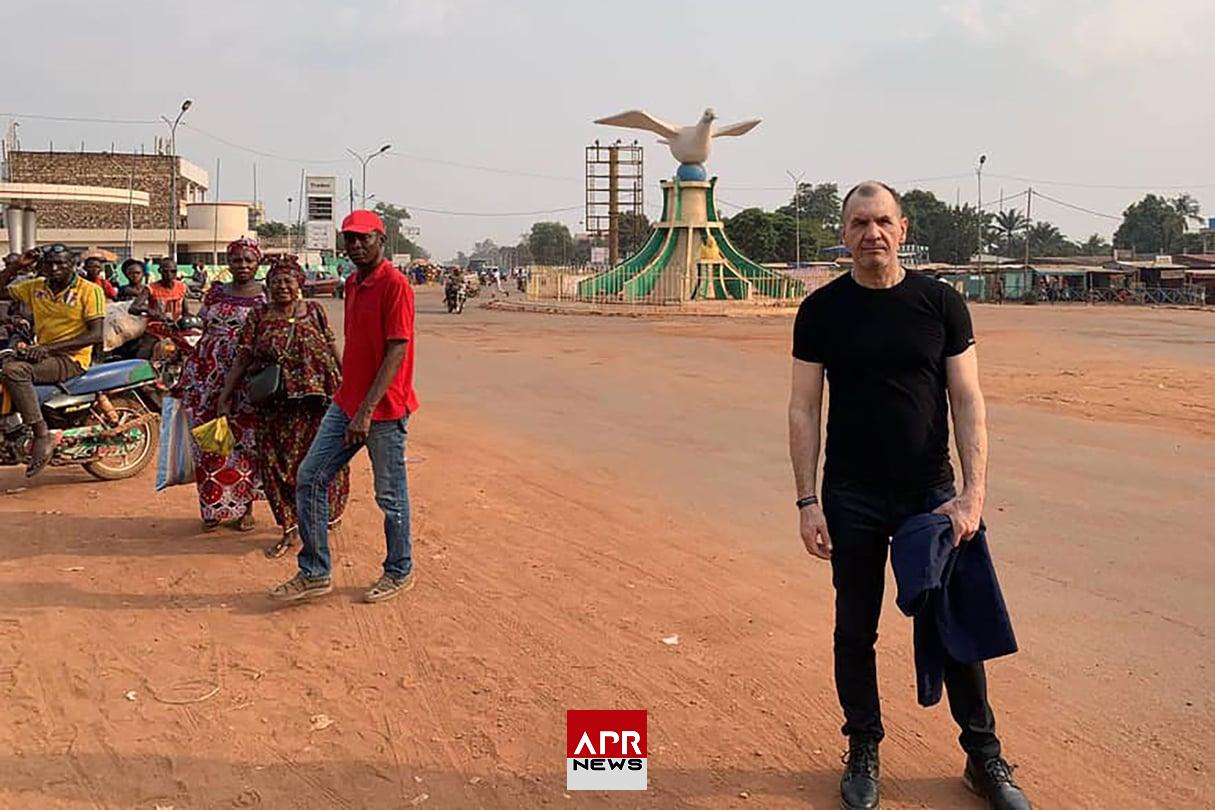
884,352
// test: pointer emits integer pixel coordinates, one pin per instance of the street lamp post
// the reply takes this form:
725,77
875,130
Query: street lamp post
797,212
290,232
365,159
979,174
173,207
130,199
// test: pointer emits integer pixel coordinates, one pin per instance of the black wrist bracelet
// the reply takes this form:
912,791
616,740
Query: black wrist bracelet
809,500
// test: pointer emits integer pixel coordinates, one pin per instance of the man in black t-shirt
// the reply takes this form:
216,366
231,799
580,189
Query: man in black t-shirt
898,351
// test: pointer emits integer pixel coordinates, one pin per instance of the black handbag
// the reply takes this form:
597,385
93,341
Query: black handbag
267,384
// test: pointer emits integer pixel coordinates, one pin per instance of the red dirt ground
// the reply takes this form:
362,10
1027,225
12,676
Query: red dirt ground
584,487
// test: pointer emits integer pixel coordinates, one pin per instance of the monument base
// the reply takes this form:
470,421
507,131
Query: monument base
688,257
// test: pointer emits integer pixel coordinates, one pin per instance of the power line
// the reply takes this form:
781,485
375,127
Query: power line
77,119
1113,187
259,152
490,213
1077,207
479,167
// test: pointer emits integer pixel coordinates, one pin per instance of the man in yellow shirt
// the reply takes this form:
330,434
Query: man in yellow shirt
69,314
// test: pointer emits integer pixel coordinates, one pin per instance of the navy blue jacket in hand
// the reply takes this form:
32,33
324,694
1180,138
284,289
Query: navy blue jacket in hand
954,597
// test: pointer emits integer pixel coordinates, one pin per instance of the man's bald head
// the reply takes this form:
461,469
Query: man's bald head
870,188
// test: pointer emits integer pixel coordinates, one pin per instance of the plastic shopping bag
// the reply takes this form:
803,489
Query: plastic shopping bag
176,462
215,436
121,326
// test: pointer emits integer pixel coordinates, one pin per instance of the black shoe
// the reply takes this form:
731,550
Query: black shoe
992,779
859,786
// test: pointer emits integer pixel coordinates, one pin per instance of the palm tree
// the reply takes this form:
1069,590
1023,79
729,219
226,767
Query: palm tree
1187,208
1008,224
1045,239
1095,245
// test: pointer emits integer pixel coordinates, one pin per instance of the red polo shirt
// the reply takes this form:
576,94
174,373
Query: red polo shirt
378,310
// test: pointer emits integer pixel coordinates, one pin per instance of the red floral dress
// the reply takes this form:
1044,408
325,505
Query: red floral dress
287,424
227,485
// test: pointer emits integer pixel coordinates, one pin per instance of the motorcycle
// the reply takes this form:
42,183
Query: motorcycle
103,420
455,294
173,343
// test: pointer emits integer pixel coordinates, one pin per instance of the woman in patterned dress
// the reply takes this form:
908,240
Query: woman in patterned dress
295,334
227,485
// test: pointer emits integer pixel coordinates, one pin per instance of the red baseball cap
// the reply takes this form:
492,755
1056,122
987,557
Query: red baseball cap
362,222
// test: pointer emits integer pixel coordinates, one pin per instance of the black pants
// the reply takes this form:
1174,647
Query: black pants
20,377
861,521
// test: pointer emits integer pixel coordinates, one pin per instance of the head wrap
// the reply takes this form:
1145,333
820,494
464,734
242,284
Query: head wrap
245,243
286,263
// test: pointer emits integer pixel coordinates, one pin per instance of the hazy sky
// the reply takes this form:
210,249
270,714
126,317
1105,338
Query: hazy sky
1071,93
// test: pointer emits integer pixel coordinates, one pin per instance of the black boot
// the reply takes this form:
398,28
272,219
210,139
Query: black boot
992,779
859,786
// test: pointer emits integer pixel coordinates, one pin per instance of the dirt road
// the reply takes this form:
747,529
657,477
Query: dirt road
584,487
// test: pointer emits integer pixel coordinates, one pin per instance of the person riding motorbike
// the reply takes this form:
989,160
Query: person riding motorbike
453,286
69,315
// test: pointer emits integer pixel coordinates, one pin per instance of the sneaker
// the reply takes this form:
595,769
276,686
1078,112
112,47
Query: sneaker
388,586
859,789
300,587
992,779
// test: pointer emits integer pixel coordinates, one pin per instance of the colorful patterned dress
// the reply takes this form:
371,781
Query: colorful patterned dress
287,424
226,485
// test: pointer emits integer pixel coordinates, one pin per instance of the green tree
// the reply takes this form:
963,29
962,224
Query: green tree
395,241
486,249
753,231
816,203
1156,224
930,223
784,239
634,230
1095,245
550,243
271,229
1008,225
967,225
582,252
1188,208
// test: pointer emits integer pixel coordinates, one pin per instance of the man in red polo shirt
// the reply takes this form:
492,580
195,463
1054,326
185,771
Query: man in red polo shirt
372,407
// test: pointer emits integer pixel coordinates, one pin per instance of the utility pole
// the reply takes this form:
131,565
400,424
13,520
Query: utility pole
365,159
174,210
215,219
797,213
130,198
979,174
255,204
1029,201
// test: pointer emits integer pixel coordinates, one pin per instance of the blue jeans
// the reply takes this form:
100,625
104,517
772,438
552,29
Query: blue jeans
328,455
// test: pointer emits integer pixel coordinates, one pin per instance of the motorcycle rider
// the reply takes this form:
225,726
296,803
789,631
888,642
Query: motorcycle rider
455,280
69,315
136,291
199,280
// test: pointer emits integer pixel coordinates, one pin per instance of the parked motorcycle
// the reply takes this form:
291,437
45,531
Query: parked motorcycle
172,342
103,420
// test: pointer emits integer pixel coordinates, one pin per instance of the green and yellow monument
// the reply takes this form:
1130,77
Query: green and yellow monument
688,257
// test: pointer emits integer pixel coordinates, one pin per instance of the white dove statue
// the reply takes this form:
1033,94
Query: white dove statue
689,145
